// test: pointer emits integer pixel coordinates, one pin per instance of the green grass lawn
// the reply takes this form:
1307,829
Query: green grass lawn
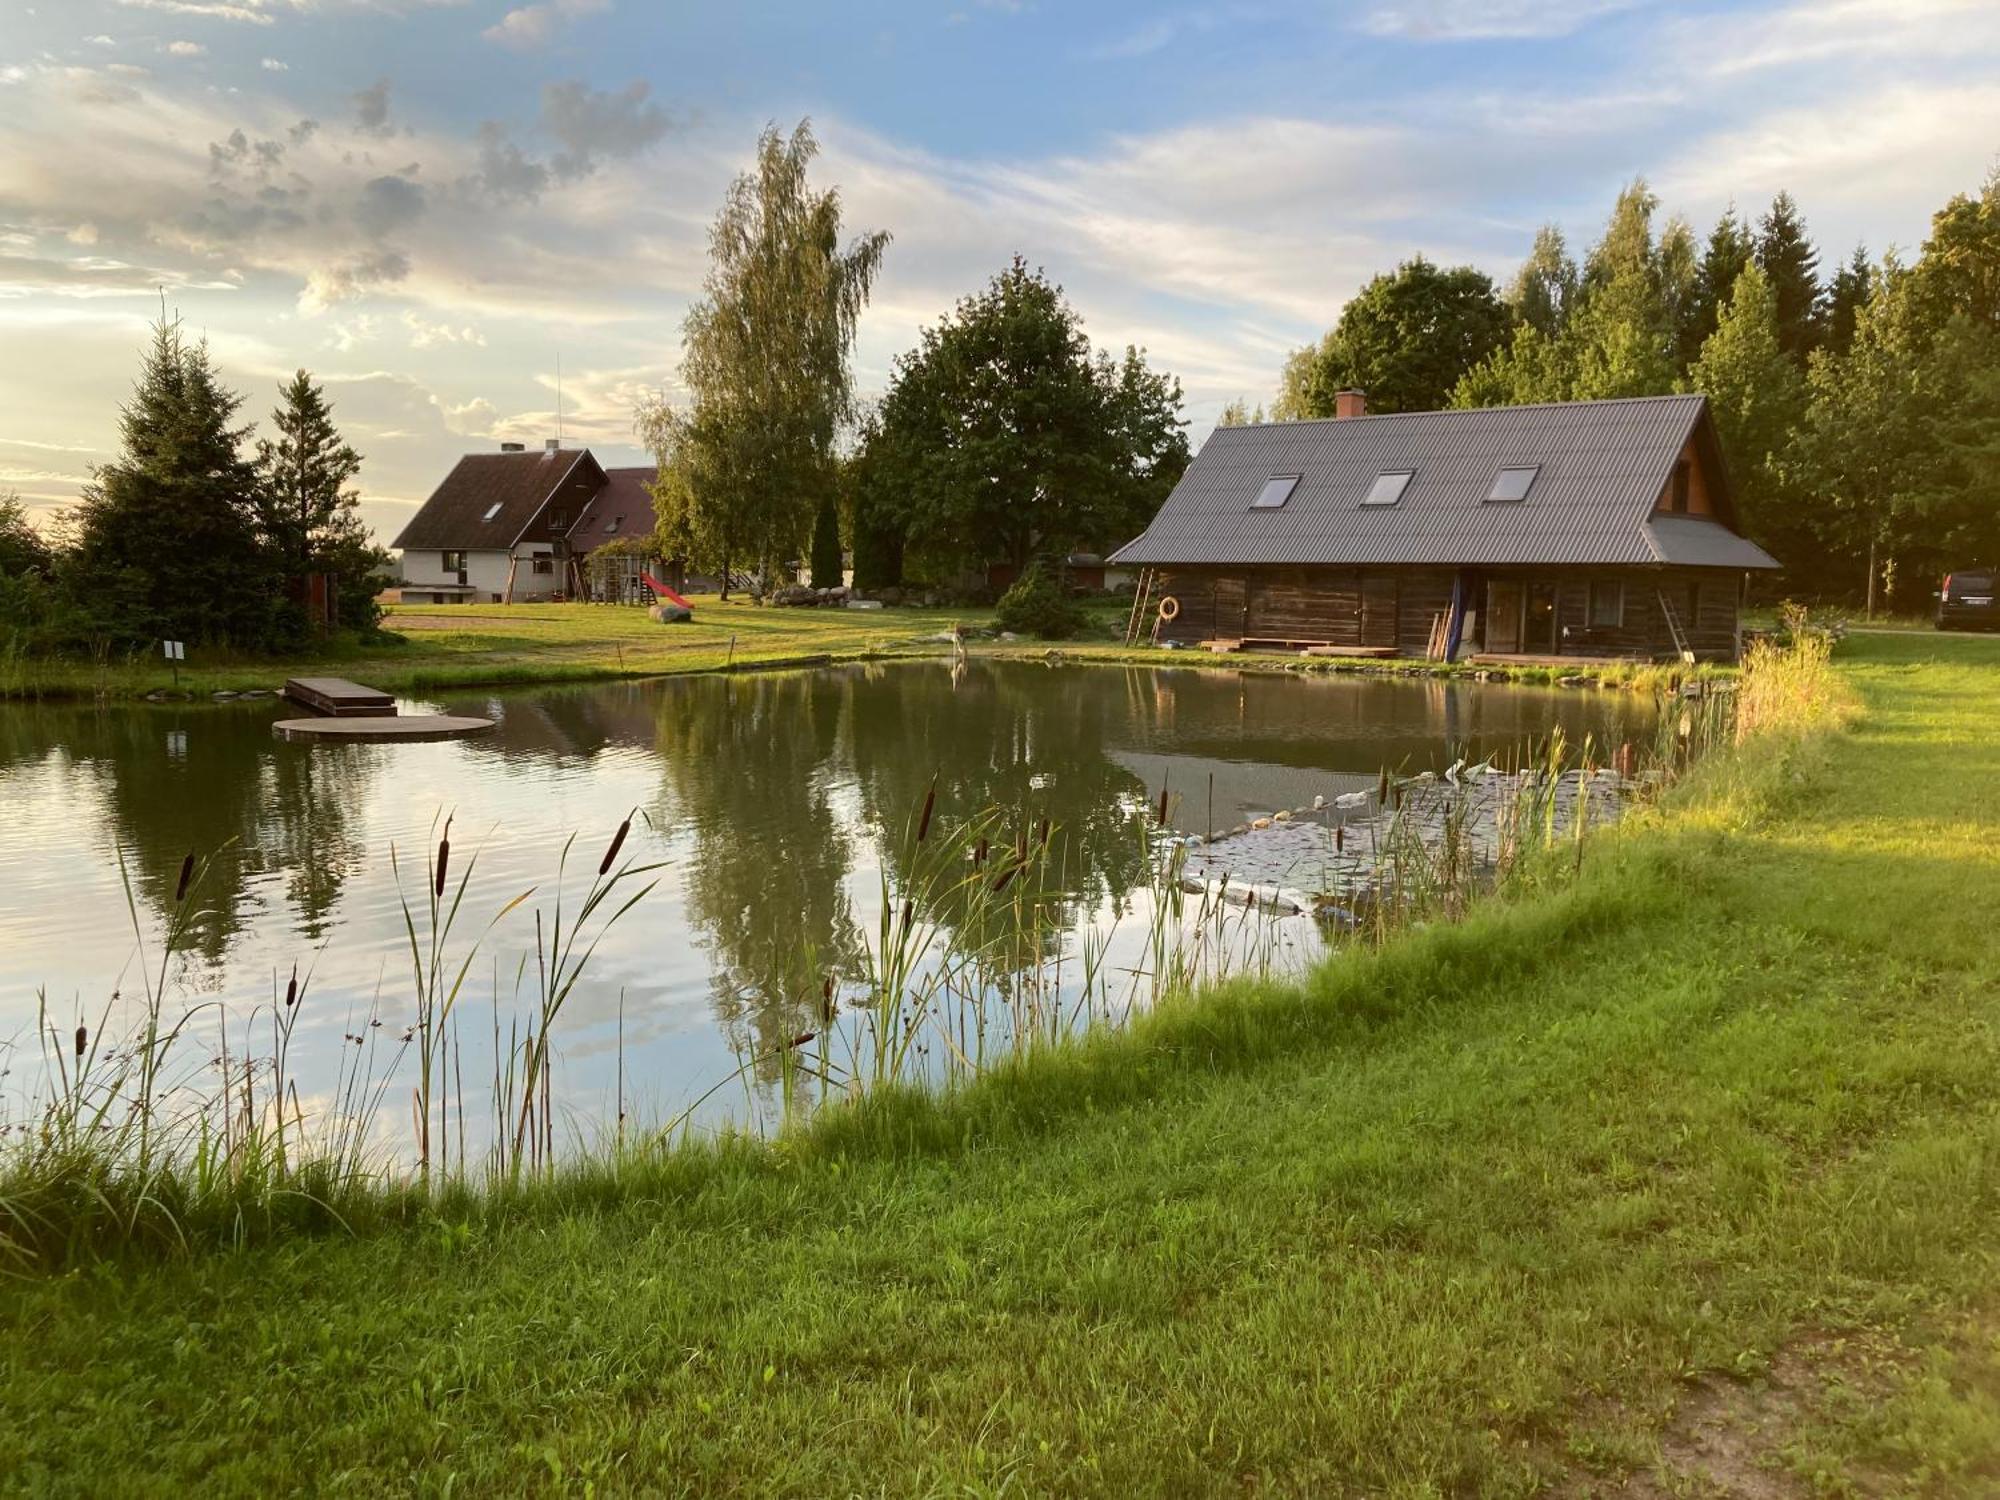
464,645
1678,1176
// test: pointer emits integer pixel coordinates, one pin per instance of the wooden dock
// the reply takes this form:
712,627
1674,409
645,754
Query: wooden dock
337,698
352,729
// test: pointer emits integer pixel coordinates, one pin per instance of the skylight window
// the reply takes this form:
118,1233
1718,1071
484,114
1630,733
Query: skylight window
1277,490
1388,488
492,510
1513,484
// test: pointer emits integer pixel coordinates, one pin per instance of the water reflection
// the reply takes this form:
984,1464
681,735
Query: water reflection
778,802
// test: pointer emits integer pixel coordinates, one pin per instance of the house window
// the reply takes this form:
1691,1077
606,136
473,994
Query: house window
611,526
1513,484
1388,488
492,510
452,562
544,563
558,520
1277,490
1607,606
1677,489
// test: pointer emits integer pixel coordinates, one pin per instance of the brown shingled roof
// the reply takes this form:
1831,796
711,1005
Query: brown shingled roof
624,503
489,499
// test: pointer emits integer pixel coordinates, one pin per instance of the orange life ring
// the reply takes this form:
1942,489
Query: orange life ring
1170,607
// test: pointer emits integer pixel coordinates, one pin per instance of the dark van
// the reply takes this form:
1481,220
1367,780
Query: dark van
1966,601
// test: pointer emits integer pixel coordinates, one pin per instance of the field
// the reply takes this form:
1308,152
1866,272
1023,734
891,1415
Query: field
1677,1175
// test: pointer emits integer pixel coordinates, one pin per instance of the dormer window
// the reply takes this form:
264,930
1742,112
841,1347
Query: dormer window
1510,485
558,519
492,510
1388,487
1277,490
611,526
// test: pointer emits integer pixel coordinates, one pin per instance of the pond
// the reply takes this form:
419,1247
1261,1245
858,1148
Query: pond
771,800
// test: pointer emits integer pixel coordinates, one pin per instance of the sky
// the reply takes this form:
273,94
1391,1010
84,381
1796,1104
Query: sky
433,204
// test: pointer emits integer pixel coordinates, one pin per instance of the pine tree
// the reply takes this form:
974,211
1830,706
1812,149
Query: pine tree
310,520
1730,248
1792,265
167,542
1677,265
826,559
1623,335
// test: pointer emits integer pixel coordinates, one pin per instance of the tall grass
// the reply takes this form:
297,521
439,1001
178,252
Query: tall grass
976,962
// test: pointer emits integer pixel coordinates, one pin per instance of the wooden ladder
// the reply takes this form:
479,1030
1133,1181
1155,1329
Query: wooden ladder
1141,597
1674,629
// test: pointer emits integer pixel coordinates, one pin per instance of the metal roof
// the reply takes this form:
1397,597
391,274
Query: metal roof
511,487
1603,466
625,499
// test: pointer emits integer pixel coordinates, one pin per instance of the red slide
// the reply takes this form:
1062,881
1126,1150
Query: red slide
661,591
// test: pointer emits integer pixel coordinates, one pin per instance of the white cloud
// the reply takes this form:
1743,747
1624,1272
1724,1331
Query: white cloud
425,334
272,65
185,49
1820,31
253,12
531,27
1477,20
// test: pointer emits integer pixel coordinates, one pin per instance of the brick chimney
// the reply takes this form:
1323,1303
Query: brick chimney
551,445
1349,403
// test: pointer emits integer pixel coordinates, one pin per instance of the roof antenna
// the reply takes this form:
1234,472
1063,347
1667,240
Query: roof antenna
558,398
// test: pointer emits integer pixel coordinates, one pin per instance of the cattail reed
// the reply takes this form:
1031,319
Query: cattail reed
187,875
930,803
82,1041
292,989
444,859
617,843
1160,817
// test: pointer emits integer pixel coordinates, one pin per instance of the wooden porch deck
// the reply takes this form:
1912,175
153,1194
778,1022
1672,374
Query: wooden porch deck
338,698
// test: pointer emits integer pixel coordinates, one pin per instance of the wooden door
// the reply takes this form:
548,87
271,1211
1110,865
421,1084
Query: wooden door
1378,609
1503,616
1538,631
1230,607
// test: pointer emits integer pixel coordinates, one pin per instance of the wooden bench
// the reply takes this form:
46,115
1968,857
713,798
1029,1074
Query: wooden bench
337,698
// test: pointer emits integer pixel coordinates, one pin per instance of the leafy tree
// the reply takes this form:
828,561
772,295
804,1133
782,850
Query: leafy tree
167,534
874,511
826,556
1544,291
766,358
1758,398
1239,413
1960,269
22,549
1730,248
1003,438
309,518
1792,264
1846,295
1405,339
1679,269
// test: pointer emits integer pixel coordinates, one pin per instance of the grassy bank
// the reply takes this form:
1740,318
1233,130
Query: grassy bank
432,648
1685,1169
447,646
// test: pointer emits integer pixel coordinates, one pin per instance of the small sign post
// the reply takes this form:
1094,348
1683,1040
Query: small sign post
176,653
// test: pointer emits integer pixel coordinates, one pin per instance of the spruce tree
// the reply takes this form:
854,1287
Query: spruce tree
1792,265
1730,248
310,519
167,542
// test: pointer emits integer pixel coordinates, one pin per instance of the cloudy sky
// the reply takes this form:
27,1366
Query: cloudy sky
429,202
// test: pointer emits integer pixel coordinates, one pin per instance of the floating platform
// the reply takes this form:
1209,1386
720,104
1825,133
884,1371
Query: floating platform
353,729
339,698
